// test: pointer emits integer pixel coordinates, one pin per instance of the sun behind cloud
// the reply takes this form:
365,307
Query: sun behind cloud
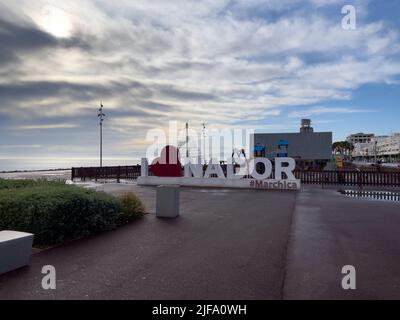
55,21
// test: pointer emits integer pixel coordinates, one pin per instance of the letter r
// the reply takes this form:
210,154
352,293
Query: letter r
287,170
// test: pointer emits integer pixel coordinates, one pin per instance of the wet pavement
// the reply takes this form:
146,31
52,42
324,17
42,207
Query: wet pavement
225,245
229,244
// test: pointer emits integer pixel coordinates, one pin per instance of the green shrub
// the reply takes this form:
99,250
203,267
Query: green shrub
17,184
131,208
56,212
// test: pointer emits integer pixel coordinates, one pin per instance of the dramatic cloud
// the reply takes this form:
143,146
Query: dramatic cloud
324,110
224,62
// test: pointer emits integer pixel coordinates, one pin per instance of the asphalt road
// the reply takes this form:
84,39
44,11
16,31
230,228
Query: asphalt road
227,244
330,231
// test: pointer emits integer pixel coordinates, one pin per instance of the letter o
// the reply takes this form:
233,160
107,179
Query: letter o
253,168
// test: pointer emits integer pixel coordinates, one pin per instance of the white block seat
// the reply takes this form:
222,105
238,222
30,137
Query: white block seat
15,250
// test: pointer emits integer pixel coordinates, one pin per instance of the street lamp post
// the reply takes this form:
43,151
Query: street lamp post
187,140
204,143
101,116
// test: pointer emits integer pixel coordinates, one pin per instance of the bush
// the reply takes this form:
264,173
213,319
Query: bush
131,208
56,212
17,184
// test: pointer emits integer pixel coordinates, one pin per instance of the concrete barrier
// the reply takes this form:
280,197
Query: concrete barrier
15,250
167,202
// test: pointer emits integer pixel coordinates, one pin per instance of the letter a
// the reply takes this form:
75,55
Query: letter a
349,281
49,281
349,21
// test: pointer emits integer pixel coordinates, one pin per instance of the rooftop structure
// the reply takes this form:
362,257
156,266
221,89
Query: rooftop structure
306,126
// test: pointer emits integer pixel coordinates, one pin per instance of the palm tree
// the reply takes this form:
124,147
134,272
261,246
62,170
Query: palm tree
336,148
343,148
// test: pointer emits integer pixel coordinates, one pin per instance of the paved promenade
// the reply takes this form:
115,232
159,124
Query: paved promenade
229,244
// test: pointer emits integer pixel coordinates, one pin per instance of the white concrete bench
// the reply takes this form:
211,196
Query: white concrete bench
167,202
15,250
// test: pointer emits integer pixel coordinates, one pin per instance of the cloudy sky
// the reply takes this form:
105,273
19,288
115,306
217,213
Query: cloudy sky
261,64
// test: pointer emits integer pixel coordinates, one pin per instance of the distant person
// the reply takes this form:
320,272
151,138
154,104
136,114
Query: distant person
359,179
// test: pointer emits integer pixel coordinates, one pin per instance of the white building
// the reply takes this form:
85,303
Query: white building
360,138
383,148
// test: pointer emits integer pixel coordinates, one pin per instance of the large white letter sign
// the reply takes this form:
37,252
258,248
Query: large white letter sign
253,168
247,176
230,168
230,172
193,170
144,168
214,169
287,170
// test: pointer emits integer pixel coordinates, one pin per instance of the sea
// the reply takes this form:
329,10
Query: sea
32,164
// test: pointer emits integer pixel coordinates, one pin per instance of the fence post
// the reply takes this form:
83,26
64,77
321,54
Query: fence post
118,174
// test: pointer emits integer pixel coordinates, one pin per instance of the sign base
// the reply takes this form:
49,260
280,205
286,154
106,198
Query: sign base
269,184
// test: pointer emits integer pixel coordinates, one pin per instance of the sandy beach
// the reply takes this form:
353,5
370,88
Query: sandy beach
49,175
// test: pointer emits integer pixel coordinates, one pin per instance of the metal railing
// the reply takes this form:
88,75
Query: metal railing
110,173
349,178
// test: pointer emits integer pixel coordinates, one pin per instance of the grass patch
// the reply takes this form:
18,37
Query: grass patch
56,212
18,184
131,208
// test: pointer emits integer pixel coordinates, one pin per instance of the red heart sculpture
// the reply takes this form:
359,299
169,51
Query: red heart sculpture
168,164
